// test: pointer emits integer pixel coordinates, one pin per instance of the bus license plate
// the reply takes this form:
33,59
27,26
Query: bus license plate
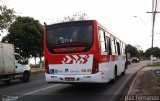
70,79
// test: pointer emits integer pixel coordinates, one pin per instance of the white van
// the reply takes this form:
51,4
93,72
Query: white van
12,65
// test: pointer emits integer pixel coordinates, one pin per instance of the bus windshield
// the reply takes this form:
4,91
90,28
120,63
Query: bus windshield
68,35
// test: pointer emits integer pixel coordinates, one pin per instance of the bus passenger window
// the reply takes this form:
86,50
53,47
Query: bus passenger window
118,48
102,40
113,46
108,49
124,49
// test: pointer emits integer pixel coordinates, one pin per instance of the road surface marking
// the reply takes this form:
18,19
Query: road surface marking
41,89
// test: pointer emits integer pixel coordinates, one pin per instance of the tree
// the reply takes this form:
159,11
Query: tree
76,16
132,50
6,16
140,54
155,51
27,36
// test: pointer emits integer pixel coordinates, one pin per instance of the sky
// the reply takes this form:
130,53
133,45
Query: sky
126,19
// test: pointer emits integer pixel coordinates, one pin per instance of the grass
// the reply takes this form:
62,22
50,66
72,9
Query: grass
156,64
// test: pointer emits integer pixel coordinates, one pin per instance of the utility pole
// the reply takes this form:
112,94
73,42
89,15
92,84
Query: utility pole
154,12
153,24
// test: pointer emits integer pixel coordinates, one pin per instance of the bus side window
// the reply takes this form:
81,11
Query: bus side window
113,45
102,40
118,48
108,45
123,48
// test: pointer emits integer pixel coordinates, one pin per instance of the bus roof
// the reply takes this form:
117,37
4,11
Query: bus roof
77,21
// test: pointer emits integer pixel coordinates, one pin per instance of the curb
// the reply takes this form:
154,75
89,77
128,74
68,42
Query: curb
120,90
131,86
135,77
130,89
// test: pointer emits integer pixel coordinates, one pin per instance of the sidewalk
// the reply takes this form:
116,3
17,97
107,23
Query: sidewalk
147,82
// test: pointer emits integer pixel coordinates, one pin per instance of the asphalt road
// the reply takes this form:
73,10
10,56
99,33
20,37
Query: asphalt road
38,89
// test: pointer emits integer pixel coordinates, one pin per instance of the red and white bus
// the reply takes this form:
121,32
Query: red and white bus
82,52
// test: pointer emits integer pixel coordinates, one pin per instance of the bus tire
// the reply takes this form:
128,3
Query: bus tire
115,75
124,72
126,66
26,76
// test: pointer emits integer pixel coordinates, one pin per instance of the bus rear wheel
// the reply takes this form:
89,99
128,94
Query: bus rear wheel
124,72
115,76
